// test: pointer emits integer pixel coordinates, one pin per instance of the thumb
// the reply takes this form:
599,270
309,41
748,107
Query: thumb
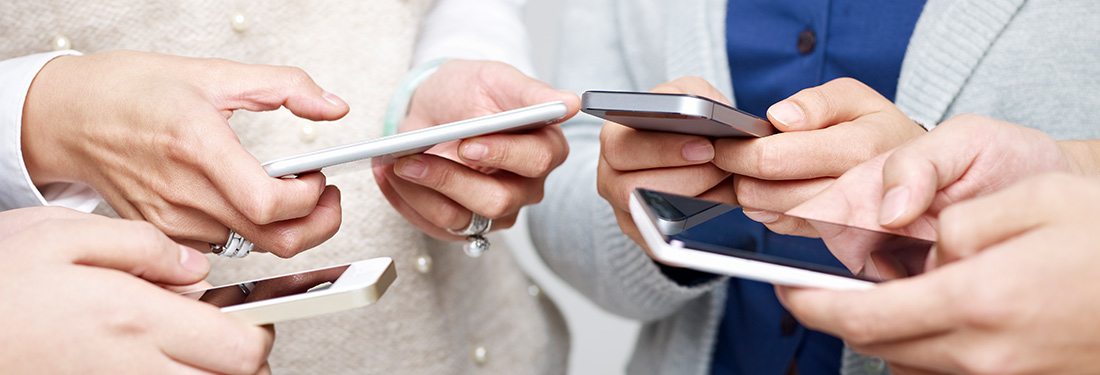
511,89
134,247
265,88
837,101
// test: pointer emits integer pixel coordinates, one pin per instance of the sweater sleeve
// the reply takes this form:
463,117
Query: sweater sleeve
574,229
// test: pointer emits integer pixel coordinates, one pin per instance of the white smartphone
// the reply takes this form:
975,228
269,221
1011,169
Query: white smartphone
676,113
417,141
303,294
687,232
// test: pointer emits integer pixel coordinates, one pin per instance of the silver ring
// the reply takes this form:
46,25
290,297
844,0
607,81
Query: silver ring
235,247
476,243
478,226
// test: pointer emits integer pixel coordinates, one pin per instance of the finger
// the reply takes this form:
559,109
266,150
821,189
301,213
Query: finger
134,247
913,174
965,156
968,227
433,212
827,152
206,338
616,186
261,199
264,88
777,196
692,85
837,101
529,155
13,221
627,149
511,89
290,237
492,196
895,310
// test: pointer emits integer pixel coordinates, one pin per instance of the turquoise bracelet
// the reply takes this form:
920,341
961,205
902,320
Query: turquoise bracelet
398,107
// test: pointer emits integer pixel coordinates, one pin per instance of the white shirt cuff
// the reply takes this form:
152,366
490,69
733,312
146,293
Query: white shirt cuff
16,188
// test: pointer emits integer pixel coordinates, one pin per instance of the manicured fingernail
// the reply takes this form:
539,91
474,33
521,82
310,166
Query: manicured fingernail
787,113
335,100
892,205
766,217
412,168
192,260
474,151
699,150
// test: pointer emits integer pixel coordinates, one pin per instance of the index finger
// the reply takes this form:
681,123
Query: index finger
627,149
890,311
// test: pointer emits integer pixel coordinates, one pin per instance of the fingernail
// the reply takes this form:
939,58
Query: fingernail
787,113
474,151
766,217
335,100
192,260
892,205
412,168
699,150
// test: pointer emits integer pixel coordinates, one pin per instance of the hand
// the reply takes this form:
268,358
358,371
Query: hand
827,130
1019,301
668,162
150,133
492,175
964,157
77,302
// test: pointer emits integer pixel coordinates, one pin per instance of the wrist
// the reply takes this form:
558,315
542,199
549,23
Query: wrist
401,100
39,148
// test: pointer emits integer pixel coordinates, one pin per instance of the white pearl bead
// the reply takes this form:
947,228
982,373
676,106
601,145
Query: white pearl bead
423,264
309,133
60,43
239,22
480,354
534,290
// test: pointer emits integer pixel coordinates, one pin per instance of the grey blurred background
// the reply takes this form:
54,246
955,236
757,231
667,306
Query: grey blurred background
601,342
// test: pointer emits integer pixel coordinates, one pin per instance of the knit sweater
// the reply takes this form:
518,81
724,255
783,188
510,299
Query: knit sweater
1035,63
432,319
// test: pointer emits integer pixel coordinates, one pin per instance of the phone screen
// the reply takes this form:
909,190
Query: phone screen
274,287
704,225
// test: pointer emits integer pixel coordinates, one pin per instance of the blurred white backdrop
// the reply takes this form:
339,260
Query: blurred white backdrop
601,342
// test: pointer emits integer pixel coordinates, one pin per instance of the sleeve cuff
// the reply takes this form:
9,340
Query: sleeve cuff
16,76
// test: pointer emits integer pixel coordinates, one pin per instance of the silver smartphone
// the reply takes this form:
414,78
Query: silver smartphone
415,142
303,294
676,113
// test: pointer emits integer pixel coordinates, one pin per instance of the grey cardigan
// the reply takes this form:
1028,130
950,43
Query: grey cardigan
1035,63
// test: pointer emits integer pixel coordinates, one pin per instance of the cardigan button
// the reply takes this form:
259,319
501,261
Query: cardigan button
807,40
239,22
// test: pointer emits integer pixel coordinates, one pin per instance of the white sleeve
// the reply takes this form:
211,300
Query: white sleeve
16,188
476,29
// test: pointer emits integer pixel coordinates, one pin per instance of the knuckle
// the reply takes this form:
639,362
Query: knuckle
295,75
854,329
287,242
499,203
767,163
258,208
